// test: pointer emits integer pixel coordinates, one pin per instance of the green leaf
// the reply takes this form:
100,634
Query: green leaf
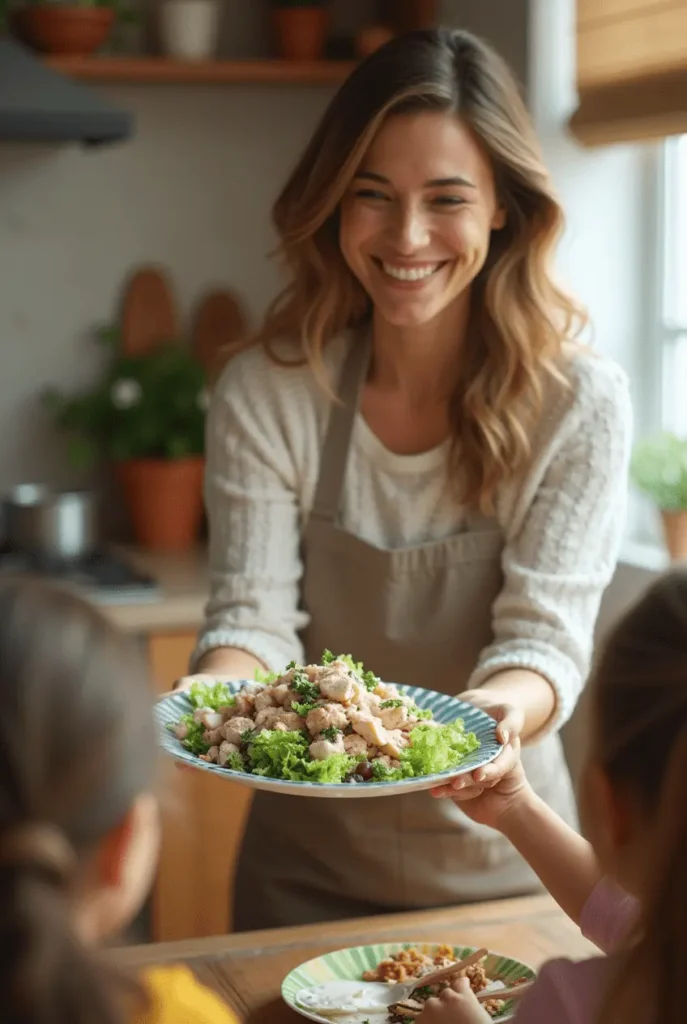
82,453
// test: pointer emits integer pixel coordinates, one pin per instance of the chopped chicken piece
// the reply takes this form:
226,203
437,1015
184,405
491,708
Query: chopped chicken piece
228,711
181,731
234,729
369,727
289,719
321,749
265,699
387,691
225,749
325,717
211,756
356,746
213,736
395,742
336,685
209,718
245,703
390,762
393,718
281,693
268,718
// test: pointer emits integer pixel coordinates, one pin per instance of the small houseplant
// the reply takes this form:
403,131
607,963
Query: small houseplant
300,28
146,416
74,28
659,470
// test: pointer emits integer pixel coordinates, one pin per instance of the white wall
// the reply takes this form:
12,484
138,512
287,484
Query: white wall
192,191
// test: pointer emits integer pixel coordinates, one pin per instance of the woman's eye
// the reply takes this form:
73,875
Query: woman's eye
370,193
448,201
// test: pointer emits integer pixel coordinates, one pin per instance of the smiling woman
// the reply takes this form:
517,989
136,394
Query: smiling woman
414,461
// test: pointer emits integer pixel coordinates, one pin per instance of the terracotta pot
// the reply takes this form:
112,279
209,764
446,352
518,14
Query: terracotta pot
165,501
301,32
371,37
675,533
73,31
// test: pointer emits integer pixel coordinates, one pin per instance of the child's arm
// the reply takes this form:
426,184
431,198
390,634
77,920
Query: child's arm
564,862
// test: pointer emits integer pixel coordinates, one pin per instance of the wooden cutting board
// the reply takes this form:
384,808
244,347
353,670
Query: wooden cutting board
218,325
149,311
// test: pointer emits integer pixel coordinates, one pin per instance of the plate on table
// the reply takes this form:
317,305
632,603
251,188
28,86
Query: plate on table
350,965
443,710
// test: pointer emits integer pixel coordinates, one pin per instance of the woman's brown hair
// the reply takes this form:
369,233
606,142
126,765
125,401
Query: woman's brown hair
640,709
77,746
519,317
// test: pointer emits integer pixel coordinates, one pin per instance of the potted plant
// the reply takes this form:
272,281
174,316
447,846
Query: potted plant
659,470
300,28
146,416
75,27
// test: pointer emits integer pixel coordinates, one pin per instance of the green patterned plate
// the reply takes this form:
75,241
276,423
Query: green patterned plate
349,965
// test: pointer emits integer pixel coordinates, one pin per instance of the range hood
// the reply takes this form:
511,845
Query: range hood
38,104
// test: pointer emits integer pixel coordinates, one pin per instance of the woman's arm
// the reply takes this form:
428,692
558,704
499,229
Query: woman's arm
563,535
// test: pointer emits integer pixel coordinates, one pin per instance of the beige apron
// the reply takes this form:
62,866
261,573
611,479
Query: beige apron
419,616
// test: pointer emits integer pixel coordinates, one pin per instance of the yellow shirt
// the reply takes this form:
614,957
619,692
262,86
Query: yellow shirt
177,997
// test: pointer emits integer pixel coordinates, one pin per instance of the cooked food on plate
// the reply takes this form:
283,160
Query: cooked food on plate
411,963
329,723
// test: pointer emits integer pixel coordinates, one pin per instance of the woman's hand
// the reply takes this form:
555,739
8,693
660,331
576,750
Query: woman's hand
485,794
455,1005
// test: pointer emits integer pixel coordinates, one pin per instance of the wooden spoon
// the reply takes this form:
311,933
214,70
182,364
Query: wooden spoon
219,324
149,314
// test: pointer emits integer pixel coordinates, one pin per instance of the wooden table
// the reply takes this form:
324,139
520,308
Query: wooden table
247,969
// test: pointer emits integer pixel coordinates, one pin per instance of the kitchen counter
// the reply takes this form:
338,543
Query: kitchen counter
183,584
247,969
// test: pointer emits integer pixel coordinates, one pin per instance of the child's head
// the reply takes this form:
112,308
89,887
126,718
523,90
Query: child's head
634,789
78,824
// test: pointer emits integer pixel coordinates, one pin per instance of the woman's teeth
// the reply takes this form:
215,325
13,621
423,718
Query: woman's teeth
411,273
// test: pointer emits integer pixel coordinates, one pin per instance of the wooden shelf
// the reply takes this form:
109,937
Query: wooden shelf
151,70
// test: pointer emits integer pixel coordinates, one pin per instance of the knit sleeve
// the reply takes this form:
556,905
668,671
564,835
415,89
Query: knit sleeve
251,495
562,554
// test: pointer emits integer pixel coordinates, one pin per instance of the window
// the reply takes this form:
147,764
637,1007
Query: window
673,298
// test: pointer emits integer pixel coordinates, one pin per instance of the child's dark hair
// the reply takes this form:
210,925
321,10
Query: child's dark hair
77,746
640,703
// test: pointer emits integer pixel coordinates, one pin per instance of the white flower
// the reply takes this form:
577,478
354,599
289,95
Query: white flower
203,400
125,393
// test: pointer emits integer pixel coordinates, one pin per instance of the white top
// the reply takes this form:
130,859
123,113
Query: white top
562,521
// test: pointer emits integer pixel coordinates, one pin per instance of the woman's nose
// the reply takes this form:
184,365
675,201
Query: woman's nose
412,231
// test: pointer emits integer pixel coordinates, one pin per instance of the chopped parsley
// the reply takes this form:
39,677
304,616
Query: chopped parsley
331,733
424,992
301,685
419,713
397,703
247,735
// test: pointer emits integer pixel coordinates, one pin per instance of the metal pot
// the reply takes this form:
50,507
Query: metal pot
59,524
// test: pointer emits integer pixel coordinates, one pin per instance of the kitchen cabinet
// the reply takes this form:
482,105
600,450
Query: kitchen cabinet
203,822
631,69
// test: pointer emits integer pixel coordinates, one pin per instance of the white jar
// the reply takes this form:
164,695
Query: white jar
189,28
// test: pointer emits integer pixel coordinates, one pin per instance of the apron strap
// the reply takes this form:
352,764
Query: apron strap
339,429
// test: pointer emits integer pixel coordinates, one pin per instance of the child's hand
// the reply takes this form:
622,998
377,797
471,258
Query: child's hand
487,793
455,1005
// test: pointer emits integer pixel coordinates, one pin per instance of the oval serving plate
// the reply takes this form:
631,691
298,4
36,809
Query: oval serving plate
444,710
349,965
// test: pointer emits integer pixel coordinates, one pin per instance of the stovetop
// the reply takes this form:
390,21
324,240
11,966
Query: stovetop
103,576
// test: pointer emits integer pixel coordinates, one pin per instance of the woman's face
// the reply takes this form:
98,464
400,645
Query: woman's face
417,219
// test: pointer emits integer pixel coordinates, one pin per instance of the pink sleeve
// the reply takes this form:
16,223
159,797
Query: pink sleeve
608,915
545,1002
